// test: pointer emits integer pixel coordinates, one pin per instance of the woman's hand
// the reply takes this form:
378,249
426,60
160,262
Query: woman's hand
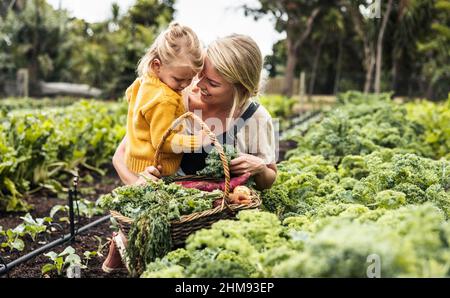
264,174
149,173
247,163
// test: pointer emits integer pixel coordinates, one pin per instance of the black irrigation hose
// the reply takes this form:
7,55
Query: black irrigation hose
4,268
58,227
307,118
3,263
73,194
303,120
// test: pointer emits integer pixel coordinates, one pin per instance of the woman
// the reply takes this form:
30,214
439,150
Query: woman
222,96
230,77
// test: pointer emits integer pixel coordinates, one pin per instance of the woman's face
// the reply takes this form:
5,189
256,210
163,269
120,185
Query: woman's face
215,90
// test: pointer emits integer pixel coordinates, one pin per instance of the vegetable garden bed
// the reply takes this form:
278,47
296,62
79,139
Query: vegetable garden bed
368,178
94,240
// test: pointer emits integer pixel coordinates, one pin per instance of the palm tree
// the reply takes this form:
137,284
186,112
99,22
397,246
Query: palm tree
365,31
297,18
411,22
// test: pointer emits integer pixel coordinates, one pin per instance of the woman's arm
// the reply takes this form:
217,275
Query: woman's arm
119,164
266,177
264,174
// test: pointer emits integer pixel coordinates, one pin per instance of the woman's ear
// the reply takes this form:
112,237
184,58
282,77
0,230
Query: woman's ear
242,91
155,65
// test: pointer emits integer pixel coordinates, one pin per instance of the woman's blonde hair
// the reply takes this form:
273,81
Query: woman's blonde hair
175,43
238,59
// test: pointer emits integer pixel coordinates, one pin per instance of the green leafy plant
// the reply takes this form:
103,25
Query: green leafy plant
12,240
40,148
86,208
359,129
214,166
153,206
62,261
278,105
335,241
33,227
435,118
101,245
29,226
88,255
133,200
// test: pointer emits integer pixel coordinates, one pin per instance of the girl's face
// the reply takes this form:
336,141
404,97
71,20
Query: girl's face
215,90
176,77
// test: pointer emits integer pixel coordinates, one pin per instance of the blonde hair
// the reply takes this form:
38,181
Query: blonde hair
176,42
238,59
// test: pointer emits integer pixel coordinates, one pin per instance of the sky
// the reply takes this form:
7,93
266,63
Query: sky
208,18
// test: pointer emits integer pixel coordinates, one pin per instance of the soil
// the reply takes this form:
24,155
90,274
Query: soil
43,202
84,242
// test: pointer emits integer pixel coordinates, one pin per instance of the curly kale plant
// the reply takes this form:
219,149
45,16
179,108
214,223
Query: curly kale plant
214,166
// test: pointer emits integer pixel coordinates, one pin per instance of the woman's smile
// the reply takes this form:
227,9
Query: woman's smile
205,94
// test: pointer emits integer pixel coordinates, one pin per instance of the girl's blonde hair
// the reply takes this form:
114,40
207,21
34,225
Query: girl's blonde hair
238,59
175,43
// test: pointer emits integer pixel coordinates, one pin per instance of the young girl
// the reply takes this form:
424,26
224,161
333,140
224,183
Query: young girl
155,100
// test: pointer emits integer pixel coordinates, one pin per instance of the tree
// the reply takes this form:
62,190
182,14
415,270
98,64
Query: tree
412,23
329,29
137,30
110,50
406,50
58,48
276,62
365,32
379,60
296,18
31,35
7,5
435,48
151,13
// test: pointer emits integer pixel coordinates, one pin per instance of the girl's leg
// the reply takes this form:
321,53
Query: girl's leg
121,243
113,261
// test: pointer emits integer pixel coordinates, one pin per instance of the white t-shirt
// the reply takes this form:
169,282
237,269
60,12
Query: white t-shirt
257,136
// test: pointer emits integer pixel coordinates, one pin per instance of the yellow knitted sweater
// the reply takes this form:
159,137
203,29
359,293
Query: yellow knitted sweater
152,107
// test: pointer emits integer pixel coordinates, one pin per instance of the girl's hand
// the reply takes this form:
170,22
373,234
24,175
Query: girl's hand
150,173
247,163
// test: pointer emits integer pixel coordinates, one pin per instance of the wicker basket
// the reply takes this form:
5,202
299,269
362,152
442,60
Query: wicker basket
188,224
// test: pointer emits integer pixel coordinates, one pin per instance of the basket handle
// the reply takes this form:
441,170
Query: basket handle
211,136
